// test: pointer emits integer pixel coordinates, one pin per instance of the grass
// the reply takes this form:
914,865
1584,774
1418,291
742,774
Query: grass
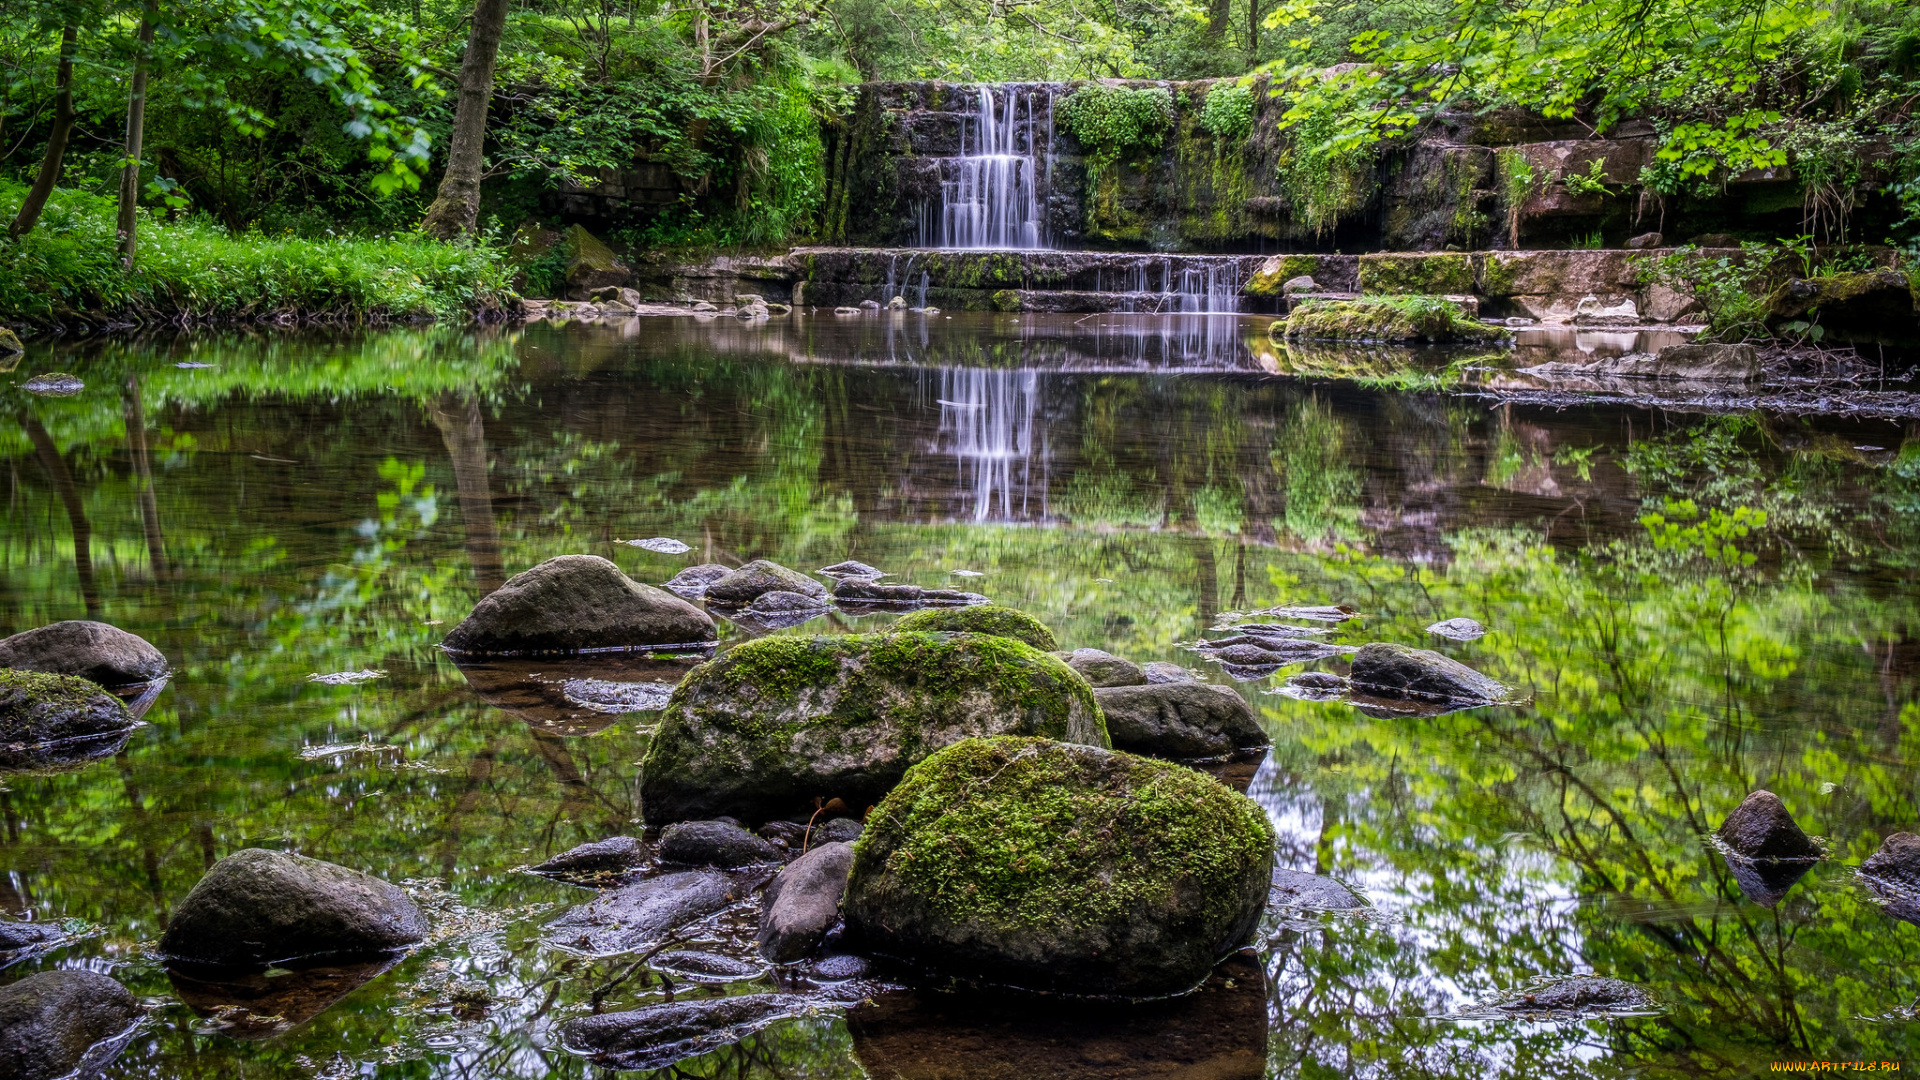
68,270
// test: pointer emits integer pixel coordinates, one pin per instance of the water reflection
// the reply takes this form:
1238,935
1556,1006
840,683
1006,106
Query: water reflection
986,423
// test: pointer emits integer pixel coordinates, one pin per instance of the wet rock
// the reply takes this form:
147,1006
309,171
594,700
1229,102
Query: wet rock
93,651
839,967
760,576
1102,669
1458,629
258,907
691,583
983,619
714,843
852,568
264,1004
577,602
1897,861
57,1024
659,1035
1760,828
15,935
53,384
1054,867
1700,362
1269,652
840,830
1318,680
803,902
1279,631
1389,670
775,723
1644,242
788,834
867,591
602,695
614,855
1179,720
1161,671
45,719
1593,311
1298,889
1584,993
707,967
637,917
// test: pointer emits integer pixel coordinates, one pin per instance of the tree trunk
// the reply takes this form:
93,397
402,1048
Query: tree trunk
49,174
456,208
136,133
464,431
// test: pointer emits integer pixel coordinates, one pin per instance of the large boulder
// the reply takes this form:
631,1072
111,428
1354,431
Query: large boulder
61,1023
1179,720
761,576
1761,829
776,723
637,917
983,619
591,264
659,1035
90,650
1400,671
803,902
1054,867
37,708
258,907
577,602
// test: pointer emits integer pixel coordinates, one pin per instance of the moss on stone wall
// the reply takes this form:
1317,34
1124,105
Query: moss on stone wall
1435,273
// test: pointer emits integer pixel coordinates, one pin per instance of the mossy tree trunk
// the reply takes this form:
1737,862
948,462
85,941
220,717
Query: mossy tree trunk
136,133
456,207
49,174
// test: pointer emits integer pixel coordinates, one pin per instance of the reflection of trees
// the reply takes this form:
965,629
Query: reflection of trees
61,479
465,433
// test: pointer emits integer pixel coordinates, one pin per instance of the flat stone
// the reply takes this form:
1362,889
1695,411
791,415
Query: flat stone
61,1023
90,650
1298,889
1458,629
258,907
659,1035
1400,671
707,967
612,855
803,902
637,917
1580,994
852,568
1179,720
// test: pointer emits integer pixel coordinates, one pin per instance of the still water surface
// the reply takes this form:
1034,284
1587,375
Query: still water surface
323,504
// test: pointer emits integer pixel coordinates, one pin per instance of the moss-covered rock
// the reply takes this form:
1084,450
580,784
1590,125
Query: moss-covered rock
591,264
775,723
1380,319
1416,272
983,619
39,707
10,344
1047,866
1279,270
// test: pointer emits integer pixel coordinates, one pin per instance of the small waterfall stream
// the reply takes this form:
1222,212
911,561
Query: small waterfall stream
990,195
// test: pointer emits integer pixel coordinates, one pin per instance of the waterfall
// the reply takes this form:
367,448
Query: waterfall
990,194
1196,286
986,418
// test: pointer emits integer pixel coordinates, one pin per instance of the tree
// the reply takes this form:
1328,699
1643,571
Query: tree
49,174
456,208
136,130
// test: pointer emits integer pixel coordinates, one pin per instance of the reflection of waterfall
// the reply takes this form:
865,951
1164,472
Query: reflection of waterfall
990,194
986,422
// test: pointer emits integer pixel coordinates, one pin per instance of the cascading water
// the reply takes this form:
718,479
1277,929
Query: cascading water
990,195
986,420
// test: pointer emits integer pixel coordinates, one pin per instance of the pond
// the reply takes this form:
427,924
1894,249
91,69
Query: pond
1701,605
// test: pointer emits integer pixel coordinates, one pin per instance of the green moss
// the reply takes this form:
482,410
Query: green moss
1385,318
66,691
1006,300
1015,832
983,619
1278,271
1432,273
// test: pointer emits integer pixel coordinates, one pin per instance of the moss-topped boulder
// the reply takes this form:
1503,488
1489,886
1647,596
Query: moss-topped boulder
776,723
575,602
1047,866
1433,319
1273,274
983,619
38,707
591,264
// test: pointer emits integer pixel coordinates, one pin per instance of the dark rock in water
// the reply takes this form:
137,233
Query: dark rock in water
93,651
1284,631
761,576
1760,828
1103,669
1161,671
260,1004
614,855
15,934
575,695
1391,670
1297,889
852,569
779,610
1318,680
1897,861
54,719
1584,993
53,384
659,1035
1216,1033
1060,868
866,591
775,723
692,582
259,907
707,967
714,843
61,1023
784,833
1765,881
577,602
840,830
636,917
1244,651
803,902
983,619
1179,720
840,967
1458,629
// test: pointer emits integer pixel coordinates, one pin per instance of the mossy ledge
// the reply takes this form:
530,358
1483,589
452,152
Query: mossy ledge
1386,318
983,619
1036,864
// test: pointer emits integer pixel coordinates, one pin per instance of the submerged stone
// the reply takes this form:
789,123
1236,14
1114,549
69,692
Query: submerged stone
659,1035
1179,720
775,723
1102,669
983,619
1760,828
62,1023
1390,670
714,843
1053,867
616,854
760,576
1313,892
258,907
90,650
1581,993
802,903
707,967
868,591
636,917
576,602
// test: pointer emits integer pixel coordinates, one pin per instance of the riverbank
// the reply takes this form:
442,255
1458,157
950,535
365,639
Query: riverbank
66,274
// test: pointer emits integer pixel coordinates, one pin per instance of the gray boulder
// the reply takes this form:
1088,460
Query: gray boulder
258,907
1162,671
1298,889
61,1023
803,902
659,1035
691,583
1060,868
1102,669
93,651
36,708
840,830
638,917
775,723
616,854
1401,671
577,602
745,585
1179,720
1896,862
15,934
1761,829
714,843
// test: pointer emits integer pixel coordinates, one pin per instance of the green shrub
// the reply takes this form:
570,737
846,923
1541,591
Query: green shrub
1733,290
1113,122
1228,112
